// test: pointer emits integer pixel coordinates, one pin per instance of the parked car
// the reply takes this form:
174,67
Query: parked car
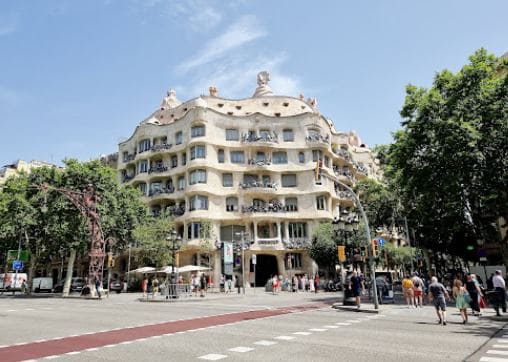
43,284
77,285
116,286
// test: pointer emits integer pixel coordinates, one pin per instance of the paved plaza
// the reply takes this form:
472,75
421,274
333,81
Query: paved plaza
254,327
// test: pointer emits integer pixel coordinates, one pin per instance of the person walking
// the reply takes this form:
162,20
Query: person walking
144,286
461,299
356,284
437,295
275,284
499,286
203,285
316,282
417,290
407,287
98,287
155,286
473,288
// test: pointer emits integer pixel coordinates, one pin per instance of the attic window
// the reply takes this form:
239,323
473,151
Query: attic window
277,114
238,107
185,109
246,113
285,104
162,116
303,107
162,108
220,105
172,116
266,104
230,113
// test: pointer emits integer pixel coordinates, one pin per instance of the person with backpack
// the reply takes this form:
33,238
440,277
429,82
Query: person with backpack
417,290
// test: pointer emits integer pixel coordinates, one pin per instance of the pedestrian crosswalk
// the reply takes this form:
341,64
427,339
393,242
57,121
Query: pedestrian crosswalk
498,350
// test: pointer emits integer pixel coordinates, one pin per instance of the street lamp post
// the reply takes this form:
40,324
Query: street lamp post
369,244
242,234
173,241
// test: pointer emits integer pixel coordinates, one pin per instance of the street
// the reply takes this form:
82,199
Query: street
260,327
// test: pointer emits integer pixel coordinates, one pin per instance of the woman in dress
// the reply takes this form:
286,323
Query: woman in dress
460,294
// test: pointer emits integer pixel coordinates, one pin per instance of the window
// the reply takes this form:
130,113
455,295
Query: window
194,230
301,157
321,203
142,188
179,138
232,134
237,157
260,157
297,230
198,202
227,180
143,166
317,155
231,204
197,177
249,179
197,152
313,133
181,183
198,131
288,135
288,180
174,161
229,232
258,203
280,157
327,161
184,159
264,134
144,145
291,204
293,260
220,156
125,156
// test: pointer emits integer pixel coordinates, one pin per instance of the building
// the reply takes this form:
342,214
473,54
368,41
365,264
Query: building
263,168
20,166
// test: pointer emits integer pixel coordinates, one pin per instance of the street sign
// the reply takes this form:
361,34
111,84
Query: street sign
254,259
17,265
24,255
381,242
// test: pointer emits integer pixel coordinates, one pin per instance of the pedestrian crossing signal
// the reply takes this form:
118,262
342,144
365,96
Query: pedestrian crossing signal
375,250
341,250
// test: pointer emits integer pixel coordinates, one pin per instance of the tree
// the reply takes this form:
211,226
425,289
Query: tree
324,248
153,248
450,160
47,223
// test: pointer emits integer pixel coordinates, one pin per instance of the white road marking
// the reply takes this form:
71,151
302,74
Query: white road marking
109,345
500,346
330,327
52,357
493,359
265,343
317,329
92,349
285,338
213,357
156,337
493,351
73,353
241,349
302,333
343,324
29,309
353,321
126,342
502,341
11,310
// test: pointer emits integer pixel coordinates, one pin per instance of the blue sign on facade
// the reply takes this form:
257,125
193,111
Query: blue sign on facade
17,265
381,242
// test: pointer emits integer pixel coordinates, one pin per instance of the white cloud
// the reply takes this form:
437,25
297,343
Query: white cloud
245,30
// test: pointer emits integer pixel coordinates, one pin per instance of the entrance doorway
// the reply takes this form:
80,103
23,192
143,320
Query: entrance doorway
266,268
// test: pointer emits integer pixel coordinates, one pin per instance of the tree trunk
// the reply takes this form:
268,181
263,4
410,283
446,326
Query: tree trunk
68,277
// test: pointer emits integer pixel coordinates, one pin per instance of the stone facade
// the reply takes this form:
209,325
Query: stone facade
20,166
265,165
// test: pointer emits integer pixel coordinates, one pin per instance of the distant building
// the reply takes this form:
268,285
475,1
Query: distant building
266,166
21,166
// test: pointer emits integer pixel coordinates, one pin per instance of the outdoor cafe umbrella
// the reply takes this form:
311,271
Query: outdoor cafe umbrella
142,270
191,268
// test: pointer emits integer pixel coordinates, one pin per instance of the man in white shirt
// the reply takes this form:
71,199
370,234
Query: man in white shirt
499,292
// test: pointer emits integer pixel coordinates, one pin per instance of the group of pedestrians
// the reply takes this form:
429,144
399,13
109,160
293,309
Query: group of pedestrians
413,289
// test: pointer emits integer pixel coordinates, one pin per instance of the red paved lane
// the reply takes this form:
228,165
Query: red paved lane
80,343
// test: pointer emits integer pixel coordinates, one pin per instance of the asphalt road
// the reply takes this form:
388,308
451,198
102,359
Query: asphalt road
260,327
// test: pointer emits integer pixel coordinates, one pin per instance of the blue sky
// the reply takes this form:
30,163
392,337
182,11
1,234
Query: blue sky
76,77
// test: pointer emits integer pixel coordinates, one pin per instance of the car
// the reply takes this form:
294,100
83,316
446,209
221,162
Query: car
77,285
116,286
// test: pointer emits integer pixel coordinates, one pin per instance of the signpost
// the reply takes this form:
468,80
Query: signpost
18,265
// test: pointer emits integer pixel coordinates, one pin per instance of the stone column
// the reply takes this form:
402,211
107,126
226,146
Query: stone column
280,264
255,232
217,267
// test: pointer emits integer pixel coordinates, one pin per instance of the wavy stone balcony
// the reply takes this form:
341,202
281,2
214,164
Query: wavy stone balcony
260,140
260,163
258,187
129,157
343,154
175,210
161,147
318,140
127,178
157,169
270,208
299,243
156,192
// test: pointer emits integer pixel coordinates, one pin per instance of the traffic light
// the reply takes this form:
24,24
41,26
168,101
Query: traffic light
375,250
111,261
341,250
363,250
